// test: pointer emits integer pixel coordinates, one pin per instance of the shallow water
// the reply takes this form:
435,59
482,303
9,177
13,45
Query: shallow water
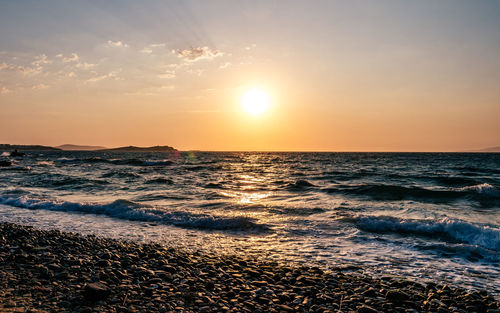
432,216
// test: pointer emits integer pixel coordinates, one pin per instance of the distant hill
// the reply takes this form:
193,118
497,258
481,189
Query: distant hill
70,147
142,149
492,149
7,147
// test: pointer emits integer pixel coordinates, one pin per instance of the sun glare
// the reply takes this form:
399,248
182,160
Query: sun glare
255,101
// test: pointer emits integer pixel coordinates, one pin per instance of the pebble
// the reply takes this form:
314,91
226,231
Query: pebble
51,271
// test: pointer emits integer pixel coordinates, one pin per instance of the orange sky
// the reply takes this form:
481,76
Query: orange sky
340,76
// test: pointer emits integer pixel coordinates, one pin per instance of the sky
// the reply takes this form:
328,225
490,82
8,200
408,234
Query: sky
339,75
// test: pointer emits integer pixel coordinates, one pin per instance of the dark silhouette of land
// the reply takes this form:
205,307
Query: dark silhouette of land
492,149
70,147
142,149
7,147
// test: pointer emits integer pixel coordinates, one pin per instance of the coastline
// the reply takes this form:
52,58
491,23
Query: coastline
64,272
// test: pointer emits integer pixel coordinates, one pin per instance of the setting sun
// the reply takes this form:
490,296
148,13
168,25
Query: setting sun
255,101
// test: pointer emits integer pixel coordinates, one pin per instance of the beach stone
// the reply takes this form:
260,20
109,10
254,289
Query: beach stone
96,291
396,295
137,282
366,309
285,308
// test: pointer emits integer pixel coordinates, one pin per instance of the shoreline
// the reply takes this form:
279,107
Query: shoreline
65,272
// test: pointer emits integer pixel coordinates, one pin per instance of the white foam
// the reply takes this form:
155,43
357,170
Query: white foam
484,188
485,236
128,210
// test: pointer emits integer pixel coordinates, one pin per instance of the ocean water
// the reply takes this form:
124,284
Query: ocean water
424,216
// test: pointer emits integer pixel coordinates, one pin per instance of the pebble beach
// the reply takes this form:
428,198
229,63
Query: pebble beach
53,271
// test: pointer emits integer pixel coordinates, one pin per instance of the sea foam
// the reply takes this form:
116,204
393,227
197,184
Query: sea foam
133,211
452,229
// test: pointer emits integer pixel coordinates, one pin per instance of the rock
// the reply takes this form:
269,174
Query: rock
366,309
96,291
396,295
285,308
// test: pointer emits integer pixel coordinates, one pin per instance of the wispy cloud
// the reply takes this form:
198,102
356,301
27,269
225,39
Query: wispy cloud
150,48
146,50
119,44
101,77
40,60
197,71
250,47
85,65
4,91
72,58
197,53
167,75
152,91
26,70
40,86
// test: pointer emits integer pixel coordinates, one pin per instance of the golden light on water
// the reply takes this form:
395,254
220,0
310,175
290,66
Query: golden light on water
255,101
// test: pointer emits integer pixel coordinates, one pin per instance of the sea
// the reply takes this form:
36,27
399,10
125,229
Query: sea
421,216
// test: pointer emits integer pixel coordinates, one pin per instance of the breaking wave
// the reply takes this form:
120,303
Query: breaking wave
130,162
449,229
124,209
480,192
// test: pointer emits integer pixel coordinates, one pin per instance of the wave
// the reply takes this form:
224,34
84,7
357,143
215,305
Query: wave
485,193
449,229
131,162
65,182
156,163
133,211
120,174
452,181
159,181
300,184
5,163
214,186
477,169
45,163
394,192
483,189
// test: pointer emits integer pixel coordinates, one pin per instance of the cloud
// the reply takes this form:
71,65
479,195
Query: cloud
73,58
84,65
146,50
225,65
194,54
40,86
167,75
40,60
101,77
19,68
250,47
112,43
149,48
4,91
152,91
197,72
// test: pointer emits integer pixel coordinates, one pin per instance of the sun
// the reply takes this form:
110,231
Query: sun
255,101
